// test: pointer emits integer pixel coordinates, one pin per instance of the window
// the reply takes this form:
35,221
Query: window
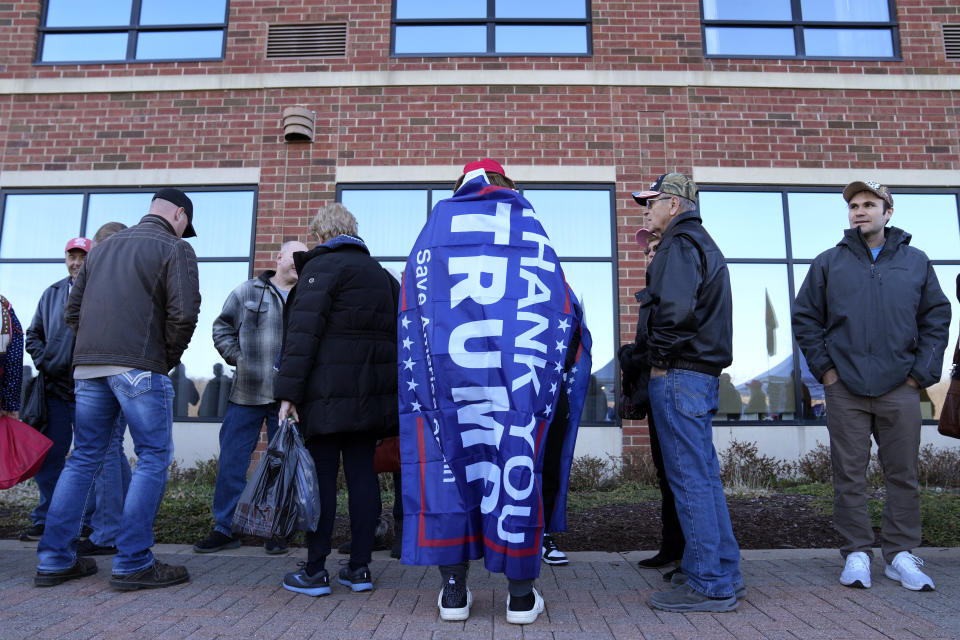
770,237
829,29
578,218
31,259
491,28
131,30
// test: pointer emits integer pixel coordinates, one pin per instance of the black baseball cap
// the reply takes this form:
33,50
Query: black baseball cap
180,199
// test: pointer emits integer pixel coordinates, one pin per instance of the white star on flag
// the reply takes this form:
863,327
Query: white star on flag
558,367
547,410
408,364
553,388
404,321
564,325
407,342
573,370
411,385
415,405
560,346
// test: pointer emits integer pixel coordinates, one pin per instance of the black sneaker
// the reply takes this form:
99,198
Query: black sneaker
662,559
86,547
32,534
454,601
300,581
214,542
524,609
85,532
358,580
275,546
550,553
156,576
82,568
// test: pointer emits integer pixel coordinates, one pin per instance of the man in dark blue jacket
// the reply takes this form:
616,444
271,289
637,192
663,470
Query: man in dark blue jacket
50,344
872,323
690,341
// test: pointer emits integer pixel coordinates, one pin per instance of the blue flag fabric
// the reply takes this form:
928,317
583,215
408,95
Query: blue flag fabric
486,319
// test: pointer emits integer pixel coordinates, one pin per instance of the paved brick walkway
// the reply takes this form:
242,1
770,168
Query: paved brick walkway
237,595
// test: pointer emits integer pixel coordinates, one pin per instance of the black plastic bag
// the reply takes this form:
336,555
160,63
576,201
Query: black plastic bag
306,492
267,506
34,411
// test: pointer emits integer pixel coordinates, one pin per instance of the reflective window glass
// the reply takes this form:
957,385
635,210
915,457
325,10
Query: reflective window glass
81,47
23,284
541,39
862,43
745,225
388,221
441,39
845,10
179,45
759,385
932,398
88,13
29,222
410,9
747,10
223,221
931,218
564,215
182,12
750,41
592,282
541,9
126,208
817,222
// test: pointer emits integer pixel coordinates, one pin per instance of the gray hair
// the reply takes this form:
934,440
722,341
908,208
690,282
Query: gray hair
333,220
686,204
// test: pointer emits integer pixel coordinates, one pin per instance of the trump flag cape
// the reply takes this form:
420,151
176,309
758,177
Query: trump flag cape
489,335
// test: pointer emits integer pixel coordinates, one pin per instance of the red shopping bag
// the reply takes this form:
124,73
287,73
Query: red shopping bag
22,450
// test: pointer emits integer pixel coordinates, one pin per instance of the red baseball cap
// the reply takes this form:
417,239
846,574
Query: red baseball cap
83,244
486,164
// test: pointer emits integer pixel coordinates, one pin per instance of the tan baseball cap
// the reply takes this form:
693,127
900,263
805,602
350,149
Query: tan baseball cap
875,188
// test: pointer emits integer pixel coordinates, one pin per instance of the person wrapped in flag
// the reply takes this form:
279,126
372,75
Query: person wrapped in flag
494,364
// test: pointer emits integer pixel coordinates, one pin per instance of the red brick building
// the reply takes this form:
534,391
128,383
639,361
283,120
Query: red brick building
771,107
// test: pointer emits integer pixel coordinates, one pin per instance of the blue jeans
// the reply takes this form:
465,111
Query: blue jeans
684,403
60,415
110,489
238,438
146,400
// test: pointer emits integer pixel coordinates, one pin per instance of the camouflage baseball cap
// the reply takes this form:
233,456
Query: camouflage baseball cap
875,188
674,184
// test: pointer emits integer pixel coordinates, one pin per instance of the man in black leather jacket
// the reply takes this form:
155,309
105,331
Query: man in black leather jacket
134,307
690,340
50,343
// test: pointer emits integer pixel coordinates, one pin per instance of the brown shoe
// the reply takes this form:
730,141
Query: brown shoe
82,568
155,576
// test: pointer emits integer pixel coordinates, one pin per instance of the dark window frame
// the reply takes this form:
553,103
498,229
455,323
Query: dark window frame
133,30
88,191
490,22
798,24
792,286
612,259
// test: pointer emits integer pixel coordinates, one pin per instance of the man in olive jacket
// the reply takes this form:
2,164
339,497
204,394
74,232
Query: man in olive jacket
872,323
134,306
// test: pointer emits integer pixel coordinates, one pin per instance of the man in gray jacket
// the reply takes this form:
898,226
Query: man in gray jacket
248,333
134,307
872,323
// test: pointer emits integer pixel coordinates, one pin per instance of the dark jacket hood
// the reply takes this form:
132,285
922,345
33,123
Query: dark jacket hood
343,241
894,237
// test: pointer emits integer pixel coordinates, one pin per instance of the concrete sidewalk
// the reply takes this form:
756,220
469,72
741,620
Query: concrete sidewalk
237,595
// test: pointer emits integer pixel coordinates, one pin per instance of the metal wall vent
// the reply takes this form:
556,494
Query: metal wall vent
951,41
306,40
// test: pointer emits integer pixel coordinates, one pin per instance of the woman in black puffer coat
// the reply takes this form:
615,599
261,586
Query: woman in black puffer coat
338,379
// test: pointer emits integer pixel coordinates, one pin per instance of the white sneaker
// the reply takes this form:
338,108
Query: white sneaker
906,568
856,572
550,553
526,617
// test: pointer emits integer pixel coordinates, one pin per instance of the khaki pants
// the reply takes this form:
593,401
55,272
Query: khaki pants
893,420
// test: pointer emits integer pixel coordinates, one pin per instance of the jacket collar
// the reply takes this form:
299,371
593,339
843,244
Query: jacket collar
159,221
893,237
340,242
685,217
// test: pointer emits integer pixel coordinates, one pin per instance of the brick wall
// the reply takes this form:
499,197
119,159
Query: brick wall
642,131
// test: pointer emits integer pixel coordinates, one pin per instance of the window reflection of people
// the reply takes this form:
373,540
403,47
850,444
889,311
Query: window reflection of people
184,390
873,323
731,404
216,394
757,402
